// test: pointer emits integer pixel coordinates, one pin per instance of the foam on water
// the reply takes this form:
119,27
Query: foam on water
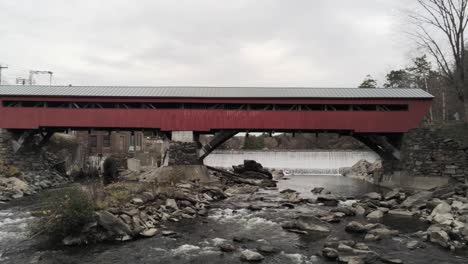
186,249
218,241
242,216
297,258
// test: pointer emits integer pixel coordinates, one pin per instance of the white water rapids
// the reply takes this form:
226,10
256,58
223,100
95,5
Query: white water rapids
297,161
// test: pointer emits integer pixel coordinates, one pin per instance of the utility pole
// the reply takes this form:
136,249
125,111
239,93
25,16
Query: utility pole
1,68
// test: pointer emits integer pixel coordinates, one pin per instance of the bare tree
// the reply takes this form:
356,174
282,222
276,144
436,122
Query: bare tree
449,18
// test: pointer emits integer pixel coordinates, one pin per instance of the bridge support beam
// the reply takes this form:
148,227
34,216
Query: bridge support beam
218,139
387,146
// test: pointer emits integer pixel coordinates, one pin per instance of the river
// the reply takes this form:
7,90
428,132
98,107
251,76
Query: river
197,239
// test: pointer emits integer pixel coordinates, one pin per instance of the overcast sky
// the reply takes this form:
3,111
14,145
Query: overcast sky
316,43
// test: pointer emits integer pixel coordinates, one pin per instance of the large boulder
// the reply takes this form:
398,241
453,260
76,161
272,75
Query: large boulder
355,227
417,199
311,224
250,255
113,224
252,169
440,237
375,215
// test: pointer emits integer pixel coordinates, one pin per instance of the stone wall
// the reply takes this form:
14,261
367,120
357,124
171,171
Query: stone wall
6,148
430,157
183,153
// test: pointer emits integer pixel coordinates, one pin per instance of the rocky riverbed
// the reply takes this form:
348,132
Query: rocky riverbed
256,222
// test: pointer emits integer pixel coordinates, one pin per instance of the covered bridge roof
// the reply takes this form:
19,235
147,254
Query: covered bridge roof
209,92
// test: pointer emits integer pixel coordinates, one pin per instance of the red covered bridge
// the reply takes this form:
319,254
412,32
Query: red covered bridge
377,117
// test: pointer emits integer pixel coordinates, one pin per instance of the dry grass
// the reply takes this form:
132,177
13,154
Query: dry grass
117,194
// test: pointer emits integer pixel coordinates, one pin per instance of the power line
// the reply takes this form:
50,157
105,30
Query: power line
1,68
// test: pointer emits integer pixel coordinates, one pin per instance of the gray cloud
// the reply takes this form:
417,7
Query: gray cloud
202,42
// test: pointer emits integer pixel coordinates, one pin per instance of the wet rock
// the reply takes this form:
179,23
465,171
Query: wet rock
413,244
375,215
417,199
227,247
168,233
252,207
241,239
268,249
112,223
250,255
345,210
382,232
288,205
328,200
395,193
17,195
360,210
311,224
355,227
403,213
317,190
445,219
73,241
442,208
137,201
171,203
149,232
373,196
330,253
440,237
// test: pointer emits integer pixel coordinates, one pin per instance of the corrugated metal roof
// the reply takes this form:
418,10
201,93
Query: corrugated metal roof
204,92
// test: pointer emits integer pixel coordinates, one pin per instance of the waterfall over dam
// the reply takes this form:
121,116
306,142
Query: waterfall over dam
296,161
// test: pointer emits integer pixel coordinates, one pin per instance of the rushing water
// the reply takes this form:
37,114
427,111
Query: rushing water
198,239
300,162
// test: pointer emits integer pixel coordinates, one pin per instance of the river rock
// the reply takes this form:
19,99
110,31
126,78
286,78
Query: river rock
373,196
440,237
444,219
112,223
413,244
355,227
442,208
382,232
360,210
395,193
328,200
250,255
404,213
417,199
311,224
375,215
171,203
330,253
138,201
149,232
268,249
227,247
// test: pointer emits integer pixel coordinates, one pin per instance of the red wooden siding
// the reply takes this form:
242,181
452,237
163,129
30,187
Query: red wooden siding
206,120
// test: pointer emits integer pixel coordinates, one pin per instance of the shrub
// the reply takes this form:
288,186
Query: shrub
64,213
